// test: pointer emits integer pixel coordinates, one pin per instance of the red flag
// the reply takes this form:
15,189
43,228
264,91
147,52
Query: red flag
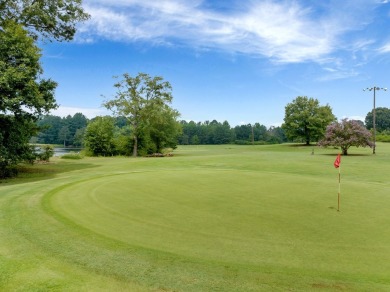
337,161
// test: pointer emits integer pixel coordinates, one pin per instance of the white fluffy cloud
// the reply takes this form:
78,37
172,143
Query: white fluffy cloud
283,31
385,48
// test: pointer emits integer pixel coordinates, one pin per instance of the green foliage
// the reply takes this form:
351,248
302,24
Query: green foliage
14,147
49,127
164,128
23,92
122,141
246,142
49,18
24,95
64,134
306,119
47,151
384,136
167,151
66,131
144,101
242,142
78,138
382,119
72,155
99,136
195,140
221,133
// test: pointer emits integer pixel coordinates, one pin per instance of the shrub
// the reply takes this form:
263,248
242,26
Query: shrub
383,136
72,155
47,152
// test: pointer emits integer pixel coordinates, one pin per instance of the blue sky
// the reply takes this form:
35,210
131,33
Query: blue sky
235,60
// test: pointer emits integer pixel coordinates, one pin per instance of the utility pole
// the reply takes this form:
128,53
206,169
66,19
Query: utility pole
375,88
253,136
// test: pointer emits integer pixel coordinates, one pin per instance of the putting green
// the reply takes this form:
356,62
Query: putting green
243,217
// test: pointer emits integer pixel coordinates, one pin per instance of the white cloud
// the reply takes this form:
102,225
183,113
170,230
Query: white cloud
356,118
330,69
284,31
335,74
90,113
385,49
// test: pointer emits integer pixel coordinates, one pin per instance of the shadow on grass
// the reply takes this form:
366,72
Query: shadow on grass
336,149
301,145
43,171
349,155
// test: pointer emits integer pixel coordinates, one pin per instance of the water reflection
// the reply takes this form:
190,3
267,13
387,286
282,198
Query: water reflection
61,151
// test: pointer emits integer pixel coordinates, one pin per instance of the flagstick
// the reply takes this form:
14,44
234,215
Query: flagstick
338,198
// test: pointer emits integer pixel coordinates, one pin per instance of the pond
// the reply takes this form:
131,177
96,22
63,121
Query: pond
58,151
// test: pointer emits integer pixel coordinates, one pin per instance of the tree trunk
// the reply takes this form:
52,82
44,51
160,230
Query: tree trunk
307,135
345,151
135,147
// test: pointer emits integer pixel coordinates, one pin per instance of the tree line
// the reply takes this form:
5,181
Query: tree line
305,121
67,131
215,132
70,131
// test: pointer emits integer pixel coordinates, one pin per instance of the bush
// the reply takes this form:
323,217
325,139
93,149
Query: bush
8,171
47,152
167,151
242,142
72,155
383,138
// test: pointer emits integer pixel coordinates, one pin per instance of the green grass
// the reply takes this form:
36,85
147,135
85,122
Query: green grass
211,218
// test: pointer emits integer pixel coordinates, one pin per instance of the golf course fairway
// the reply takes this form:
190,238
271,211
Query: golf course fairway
210,218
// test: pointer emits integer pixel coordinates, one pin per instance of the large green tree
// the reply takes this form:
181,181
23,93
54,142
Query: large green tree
305,119
24,95
382,119
99,136
144,101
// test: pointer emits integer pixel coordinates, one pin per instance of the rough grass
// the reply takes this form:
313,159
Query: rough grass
72,155
211,218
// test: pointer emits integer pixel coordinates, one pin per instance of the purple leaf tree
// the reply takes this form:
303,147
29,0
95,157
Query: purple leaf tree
345,134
